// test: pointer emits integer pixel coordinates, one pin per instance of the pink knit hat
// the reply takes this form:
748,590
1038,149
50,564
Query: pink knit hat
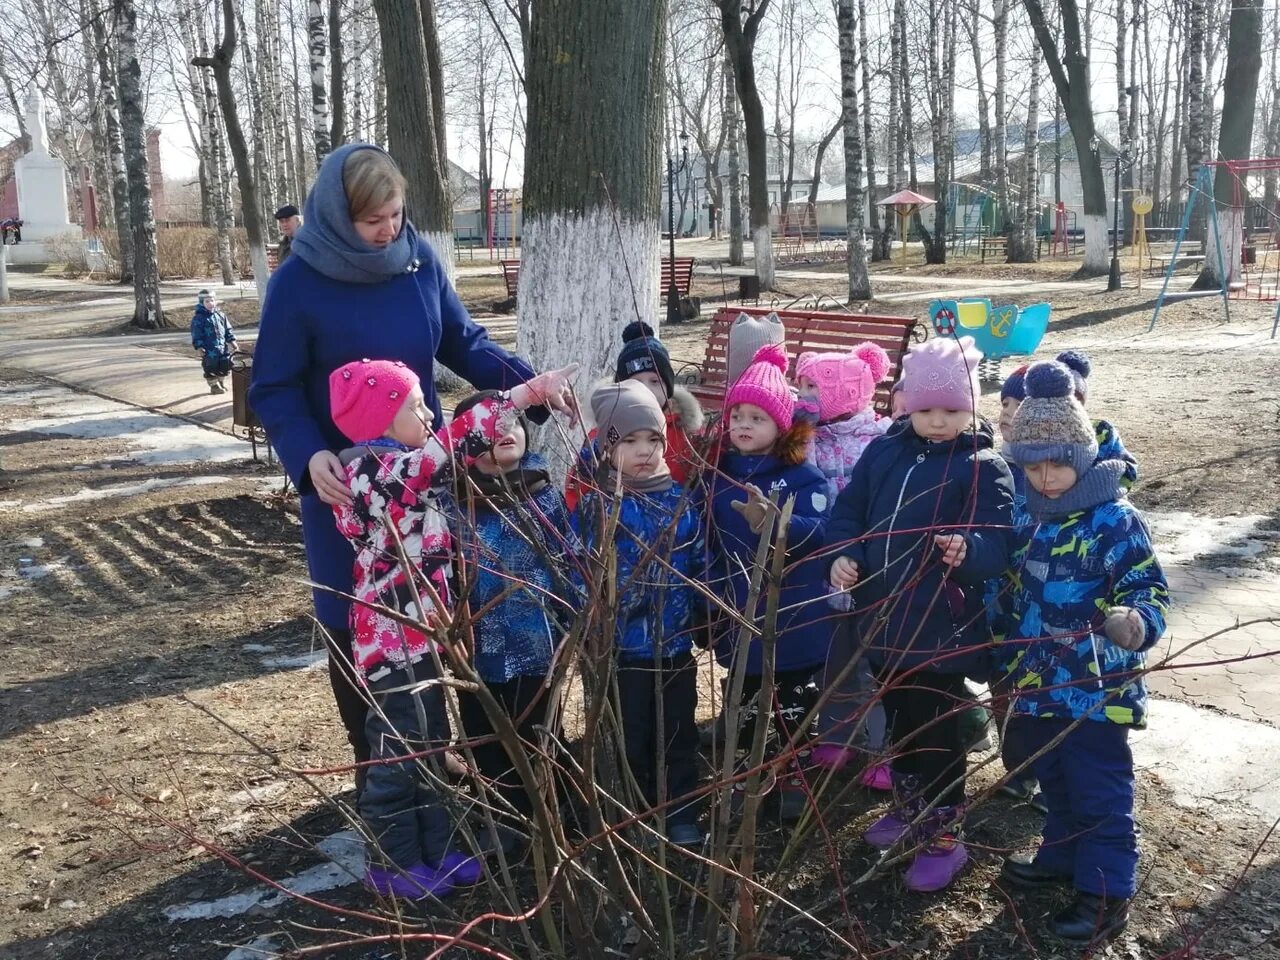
941,373
366,395
764,383
846,381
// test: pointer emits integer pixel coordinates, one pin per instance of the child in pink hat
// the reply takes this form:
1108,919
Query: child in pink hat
396,469
765,454
838,389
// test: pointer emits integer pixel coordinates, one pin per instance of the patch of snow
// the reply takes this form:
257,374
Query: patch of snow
115,490
345,865
153,438
38,571
303,661
258,647
263,948
30,543
1181,537
257,794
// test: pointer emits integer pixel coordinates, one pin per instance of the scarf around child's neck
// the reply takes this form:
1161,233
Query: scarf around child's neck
505,489
657,483
1099,484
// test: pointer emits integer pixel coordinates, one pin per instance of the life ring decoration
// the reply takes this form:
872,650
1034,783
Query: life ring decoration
944,322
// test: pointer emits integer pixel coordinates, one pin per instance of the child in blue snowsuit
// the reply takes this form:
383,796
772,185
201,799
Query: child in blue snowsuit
921,527
765,452
514,549
212,336
658,550
1087,599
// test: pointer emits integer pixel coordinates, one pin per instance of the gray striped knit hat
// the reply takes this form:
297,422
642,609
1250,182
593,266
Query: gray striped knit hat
1050,424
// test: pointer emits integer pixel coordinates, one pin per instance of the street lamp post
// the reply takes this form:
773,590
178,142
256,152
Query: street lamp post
1113,278
673,294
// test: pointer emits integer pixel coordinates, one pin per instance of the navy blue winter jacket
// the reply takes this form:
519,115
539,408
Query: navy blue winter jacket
911,608
805,622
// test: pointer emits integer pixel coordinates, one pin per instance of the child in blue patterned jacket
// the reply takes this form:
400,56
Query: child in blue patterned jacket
514,550
1087,599
215,341
658,552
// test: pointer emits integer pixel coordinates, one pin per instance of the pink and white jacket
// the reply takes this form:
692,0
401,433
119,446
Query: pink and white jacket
396,487
838,445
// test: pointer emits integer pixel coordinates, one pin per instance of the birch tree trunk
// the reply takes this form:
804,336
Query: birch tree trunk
108,85
411,123
1122,117
1195,140
740,39
101,172
894,159
221,63
942,92
592,204
1069,67
262,170
337,77
1022,242
973,26
1235,142
854,198
1001,159
732,125
878,252
216,148
147,310
316,50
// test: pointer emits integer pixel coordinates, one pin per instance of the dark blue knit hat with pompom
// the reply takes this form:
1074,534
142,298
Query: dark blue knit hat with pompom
642,351
1051,424
1015,385
1077,361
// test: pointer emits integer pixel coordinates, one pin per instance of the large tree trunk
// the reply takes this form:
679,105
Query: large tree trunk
1196,140
1001,158
878,252
257,128
97,125
942,95
435,73
1235,142
740,39
147,310
411,123
592,205
1123,117
1022,241
1069,67
221,63
895,151
973,27
220,198
854,198
108,84
316,49
733,126
337,79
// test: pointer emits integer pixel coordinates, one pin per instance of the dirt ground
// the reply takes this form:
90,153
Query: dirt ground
157,702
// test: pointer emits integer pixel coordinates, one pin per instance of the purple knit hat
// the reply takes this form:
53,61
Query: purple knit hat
764,383
941,373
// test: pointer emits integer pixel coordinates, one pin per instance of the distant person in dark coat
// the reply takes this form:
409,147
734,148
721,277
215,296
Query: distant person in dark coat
287,217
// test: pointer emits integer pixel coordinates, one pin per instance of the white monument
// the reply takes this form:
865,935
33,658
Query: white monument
42,190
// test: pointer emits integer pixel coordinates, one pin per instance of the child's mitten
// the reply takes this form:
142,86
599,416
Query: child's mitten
1124,627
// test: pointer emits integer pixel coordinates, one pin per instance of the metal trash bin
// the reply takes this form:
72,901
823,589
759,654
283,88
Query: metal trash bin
244,423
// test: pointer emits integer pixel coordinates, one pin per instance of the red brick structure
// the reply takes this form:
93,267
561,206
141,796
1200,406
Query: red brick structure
159,208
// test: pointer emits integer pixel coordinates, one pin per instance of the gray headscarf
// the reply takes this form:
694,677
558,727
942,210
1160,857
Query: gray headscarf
327,239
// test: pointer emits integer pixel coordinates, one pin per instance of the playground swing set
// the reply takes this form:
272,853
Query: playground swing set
1259,258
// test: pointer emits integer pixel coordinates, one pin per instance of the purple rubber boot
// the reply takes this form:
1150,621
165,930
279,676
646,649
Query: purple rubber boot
942,858
896,823
412,883
460,869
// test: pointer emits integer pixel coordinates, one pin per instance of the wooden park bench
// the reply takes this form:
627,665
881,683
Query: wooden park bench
683,275
809,330
995,246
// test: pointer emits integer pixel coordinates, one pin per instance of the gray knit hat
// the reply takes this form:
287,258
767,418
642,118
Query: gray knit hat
747,334
1050,424
622,408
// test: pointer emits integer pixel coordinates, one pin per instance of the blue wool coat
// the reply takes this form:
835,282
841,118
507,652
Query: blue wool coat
311,325
1065,573
913,610
518,559
657,609
805,621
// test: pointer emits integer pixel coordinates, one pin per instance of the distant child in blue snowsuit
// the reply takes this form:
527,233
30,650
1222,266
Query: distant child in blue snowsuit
1087,599
514,550
658,549
212,336
921,527
765,452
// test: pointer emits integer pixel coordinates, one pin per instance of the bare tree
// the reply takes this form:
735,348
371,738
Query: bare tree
740,35
733,129
1069,67
1000,148
1244,65
337,76
1022,241
317,49
879,250
147,310
109,89
220,63
940,80
854,197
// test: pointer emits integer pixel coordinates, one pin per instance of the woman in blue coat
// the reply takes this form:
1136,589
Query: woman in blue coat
360,283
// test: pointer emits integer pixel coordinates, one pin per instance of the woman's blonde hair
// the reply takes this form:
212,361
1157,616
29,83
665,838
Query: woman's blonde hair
371,179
